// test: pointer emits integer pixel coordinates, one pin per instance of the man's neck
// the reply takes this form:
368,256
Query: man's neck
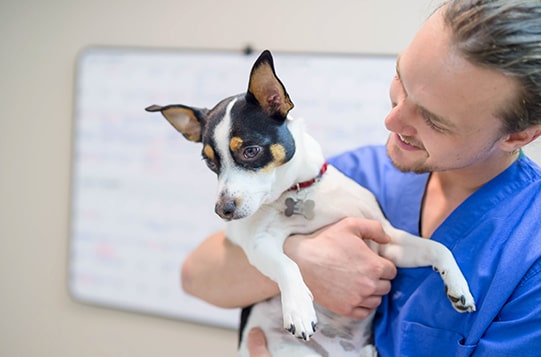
446,190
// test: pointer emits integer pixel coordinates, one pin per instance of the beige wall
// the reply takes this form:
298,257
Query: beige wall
39,44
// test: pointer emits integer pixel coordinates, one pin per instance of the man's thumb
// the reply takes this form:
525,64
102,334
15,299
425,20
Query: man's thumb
257,343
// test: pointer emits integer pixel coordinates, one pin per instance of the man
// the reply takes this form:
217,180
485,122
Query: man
465,99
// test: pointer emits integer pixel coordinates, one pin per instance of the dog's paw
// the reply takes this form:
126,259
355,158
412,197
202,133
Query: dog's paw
461,301
457,290
299,317
302,334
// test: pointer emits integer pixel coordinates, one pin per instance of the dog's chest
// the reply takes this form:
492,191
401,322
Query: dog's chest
308,209
300,212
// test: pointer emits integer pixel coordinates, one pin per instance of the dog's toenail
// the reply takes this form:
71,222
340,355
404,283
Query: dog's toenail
291,329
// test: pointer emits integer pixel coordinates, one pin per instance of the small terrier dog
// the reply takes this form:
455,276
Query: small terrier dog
273,181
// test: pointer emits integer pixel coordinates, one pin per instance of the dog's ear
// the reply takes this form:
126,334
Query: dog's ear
186,120
267,90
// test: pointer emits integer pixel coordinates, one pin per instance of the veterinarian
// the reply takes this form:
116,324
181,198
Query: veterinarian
465,99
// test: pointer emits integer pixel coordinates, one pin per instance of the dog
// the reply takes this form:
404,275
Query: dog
273,181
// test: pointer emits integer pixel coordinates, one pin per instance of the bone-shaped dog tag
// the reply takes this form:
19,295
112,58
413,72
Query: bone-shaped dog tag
304,208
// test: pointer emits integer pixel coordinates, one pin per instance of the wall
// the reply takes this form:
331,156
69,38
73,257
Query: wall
39,42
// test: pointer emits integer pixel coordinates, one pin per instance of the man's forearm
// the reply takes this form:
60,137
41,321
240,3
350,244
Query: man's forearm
218,272
342,272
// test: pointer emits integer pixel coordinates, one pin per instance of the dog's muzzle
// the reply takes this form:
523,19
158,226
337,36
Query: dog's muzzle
226,208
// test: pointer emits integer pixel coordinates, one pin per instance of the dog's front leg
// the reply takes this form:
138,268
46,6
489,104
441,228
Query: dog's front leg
408,251
265,251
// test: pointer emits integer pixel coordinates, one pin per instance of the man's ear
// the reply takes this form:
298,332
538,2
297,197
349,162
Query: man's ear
186,120
520,139
267,90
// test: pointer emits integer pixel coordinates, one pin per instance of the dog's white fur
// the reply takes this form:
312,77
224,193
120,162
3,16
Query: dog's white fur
260,227
262,234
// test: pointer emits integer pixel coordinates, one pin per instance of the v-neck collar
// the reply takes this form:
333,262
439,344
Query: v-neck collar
472,210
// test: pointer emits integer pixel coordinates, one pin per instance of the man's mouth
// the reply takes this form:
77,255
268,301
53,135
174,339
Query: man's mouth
404,140
408,143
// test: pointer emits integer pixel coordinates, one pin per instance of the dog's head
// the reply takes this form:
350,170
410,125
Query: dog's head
245,139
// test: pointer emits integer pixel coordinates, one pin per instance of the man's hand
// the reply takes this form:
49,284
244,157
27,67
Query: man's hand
257,343
342,272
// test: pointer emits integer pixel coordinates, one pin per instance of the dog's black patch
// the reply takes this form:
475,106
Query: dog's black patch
257,129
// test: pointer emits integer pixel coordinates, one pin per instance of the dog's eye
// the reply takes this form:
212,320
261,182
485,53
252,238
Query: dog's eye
211,164
251,152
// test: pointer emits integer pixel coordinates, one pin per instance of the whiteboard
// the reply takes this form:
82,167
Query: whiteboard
142,199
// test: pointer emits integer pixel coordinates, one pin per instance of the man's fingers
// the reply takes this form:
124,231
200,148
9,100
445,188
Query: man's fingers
369,229
388,272
383,287
367,306
257,343
360,313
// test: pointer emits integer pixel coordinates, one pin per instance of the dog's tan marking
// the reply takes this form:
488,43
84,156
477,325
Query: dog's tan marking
185,121
278,153
235,143
268,90
209,152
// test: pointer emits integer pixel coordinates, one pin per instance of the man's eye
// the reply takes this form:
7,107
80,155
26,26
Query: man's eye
251,152
430,121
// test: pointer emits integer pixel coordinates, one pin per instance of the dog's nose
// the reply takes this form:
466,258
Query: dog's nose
226,208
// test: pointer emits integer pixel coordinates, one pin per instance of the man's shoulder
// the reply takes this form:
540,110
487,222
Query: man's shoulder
361,158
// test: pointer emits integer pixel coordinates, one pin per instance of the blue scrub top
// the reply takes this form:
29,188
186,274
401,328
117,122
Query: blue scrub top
495,236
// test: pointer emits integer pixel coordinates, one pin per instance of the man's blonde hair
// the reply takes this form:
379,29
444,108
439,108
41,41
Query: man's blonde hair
503,35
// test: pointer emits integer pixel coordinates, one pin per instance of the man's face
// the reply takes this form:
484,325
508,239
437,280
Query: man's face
445,109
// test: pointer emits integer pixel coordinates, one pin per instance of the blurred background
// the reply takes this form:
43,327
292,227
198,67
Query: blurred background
40,42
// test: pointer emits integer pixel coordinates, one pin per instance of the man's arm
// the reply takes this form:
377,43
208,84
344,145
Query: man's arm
344,275
218,272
